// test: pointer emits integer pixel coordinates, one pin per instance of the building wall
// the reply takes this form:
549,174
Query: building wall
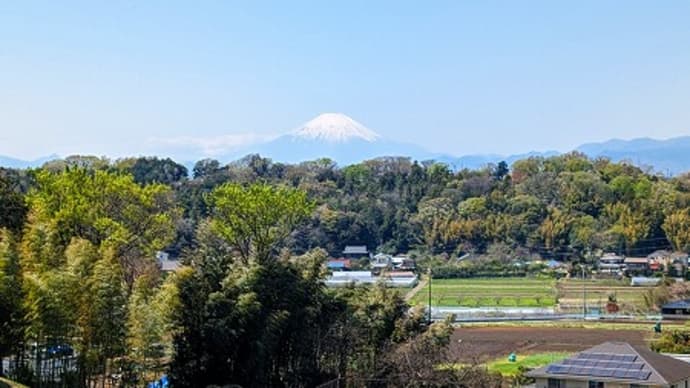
616,385
675,316
543,383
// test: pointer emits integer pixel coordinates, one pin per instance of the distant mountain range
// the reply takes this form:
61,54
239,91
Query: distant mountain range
6,161
339,137
670,156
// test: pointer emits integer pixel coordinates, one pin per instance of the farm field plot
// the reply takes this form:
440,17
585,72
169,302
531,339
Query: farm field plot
536,360
489,292
630,299
482,344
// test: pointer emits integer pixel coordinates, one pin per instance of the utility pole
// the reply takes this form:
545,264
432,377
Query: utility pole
584,294
429,307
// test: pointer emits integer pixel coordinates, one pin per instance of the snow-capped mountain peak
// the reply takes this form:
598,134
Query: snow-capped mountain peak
335,128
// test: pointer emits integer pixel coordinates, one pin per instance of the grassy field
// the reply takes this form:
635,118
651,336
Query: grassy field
629,299
483,292
566,294
507,368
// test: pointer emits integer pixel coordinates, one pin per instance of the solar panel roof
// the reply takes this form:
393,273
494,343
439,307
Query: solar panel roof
607,356
603,364
618,361
621,370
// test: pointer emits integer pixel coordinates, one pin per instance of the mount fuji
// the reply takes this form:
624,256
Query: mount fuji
346,141
335,136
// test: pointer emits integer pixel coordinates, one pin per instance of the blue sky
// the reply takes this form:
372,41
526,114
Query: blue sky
139,77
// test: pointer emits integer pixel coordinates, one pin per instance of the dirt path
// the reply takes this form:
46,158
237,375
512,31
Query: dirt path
410,294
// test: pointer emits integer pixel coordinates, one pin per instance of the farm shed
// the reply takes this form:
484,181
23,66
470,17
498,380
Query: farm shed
679,309
641,281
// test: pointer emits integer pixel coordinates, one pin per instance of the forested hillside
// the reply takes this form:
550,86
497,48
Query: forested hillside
565,207
81,289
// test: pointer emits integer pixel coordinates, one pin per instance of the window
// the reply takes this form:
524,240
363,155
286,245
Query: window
596,384
636,386
555,383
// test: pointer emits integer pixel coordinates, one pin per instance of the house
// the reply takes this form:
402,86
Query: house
679,309
679,264
661,254
339,264
611,263
636,264
166,263
660,259
356,252
614,364
169,265
403,263
380,263
672,262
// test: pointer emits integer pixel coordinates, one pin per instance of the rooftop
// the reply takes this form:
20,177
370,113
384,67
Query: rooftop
619,362
355,249
170,265
636,260
338,263
678,304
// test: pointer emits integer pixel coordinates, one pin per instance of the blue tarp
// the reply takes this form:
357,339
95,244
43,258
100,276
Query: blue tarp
162,383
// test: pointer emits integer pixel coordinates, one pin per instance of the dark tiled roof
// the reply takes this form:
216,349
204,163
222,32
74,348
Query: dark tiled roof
603,362
671,369
679,304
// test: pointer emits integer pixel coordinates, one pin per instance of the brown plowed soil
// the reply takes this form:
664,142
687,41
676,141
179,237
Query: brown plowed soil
479,344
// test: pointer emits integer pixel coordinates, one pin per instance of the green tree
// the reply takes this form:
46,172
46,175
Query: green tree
109,210
677,229
630,225
148,170
103,317
149,325
12,207
432,219
554,229
11,312
265,305
256,219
